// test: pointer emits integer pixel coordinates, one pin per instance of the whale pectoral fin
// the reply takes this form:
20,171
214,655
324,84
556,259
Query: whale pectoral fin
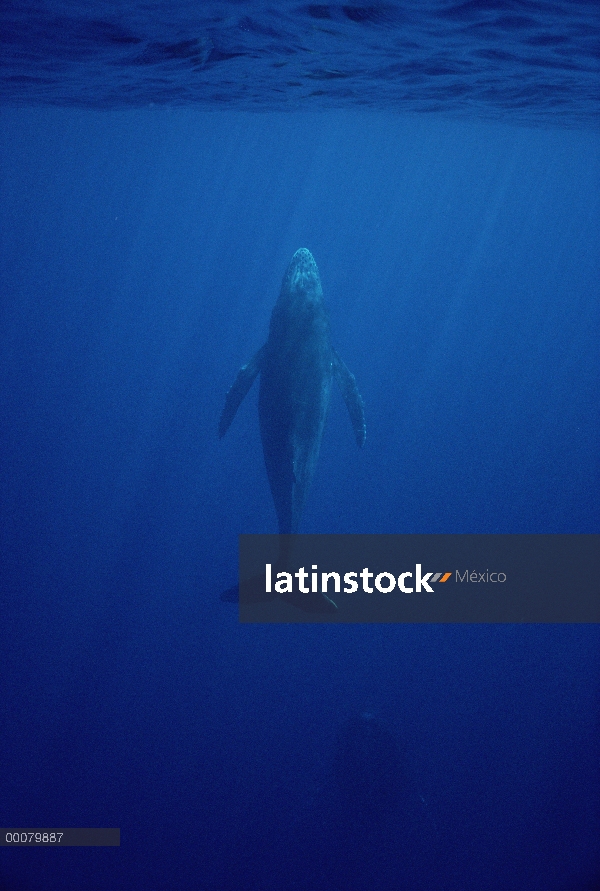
238,390
352,398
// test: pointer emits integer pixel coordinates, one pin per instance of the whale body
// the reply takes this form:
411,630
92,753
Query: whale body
297,367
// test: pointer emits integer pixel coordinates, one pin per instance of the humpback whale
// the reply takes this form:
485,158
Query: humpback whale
379,833
297,366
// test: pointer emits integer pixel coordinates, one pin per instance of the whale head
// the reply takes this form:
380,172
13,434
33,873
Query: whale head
302,277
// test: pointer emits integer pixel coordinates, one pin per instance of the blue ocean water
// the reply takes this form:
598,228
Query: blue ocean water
159,166
520,59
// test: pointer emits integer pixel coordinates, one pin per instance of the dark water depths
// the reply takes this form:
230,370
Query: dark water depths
506,59
141,253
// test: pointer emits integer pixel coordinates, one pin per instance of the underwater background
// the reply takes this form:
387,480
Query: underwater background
159,165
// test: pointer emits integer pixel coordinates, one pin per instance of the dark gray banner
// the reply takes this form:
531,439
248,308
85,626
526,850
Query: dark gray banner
420,578
60,838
